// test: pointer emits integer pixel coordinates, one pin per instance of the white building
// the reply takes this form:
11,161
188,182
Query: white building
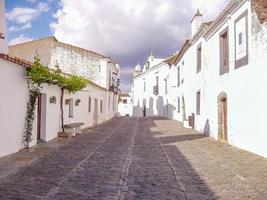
125,107
93,105
101,70
218,80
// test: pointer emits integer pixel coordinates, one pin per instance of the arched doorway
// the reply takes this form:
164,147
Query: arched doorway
222,117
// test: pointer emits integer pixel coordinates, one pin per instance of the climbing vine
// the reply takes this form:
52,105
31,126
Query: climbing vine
39,74
31,105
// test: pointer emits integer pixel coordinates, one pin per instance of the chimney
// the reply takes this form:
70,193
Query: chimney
3,35
196,22
137,70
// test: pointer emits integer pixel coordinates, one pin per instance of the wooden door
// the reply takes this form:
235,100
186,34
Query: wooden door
224,120
39,117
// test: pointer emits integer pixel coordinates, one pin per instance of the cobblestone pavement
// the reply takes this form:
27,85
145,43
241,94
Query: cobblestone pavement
136,158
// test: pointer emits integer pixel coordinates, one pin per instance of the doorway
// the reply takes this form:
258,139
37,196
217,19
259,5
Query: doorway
183,109
95,115
222,118
41,119
144,108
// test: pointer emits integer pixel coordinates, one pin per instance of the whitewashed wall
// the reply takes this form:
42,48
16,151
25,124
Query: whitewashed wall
163,104
245,87
13,87
125,108
14,97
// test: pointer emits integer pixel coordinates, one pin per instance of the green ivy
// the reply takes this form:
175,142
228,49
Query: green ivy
31,105
40,74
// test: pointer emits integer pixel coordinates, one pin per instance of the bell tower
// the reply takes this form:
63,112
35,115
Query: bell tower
3,32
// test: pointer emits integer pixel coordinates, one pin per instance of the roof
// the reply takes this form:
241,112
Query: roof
16,60
231,7
28,64
54,39
172,60
125,95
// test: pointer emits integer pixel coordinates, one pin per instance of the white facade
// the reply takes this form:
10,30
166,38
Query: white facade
71,59
125,107
227,105
13,86
93,105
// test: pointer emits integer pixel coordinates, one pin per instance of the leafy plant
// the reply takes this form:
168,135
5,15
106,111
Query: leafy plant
31,105
40,74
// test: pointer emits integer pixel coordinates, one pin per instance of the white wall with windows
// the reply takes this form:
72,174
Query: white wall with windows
221,80
125,107
13,86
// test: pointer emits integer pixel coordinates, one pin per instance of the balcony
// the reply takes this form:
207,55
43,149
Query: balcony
156,90
114,89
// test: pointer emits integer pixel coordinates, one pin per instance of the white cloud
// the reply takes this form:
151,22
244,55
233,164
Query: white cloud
23,15
20,39
19,28
127,30
124,26
210,7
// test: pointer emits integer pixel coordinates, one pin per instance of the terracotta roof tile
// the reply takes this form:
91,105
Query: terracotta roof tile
16,60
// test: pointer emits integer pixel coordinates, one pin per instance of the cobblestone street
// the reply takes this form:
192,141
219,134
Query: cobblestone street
134,158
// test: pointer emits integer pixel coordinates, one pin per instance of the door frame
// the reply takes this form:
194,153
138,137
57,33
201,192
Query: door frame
41,118
223,117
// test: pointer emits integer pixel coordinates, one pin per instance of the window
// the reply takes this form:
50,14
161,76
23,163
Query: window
166,86
198,103
157,81
178,77
101,106
110,78
241,40
144,86
89,104
124,101
224,52
178,105
109,101
71,108
114,103
199,59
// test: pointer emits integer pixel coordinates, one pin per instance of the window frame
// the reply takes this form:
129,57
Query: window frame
199,58
198,102
224,68
244,60
178,76
101,106
71,108
90,104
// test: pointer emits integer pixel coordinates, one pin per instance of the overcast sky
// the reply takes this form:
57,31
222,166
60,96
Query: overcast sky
126,30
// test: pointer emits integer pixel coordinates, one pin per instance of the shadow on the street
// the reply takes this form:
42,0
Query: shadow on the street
181,138
195,186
